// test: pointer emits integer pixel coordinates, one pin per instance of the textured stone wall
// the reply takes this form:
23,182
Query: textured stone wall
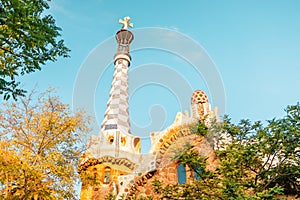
143,186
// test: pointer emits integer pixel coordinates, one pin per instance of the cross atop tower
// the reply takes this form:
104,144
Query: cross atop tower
126,22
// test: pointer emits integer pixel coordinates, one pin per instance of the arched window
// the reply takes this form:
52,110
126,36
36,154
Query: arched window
107,171
137,144
181,174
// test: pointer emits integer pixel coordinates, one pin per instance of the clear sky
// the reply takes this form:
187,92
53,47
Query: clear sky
254,45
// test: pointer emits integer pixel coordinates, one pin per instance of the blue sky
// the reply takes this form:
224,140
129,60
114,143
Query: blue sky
255,46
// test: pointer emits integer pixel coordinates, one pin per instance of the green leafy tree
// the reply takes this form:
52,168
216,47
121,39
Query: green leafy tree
258,161
265,156
28,39
40,144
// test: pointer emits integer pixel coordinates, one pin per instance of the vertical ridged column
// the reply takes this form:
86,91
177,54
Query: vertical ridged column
116,115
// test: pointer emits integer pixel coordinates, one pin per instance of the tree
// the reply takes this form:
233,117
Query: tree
257,161
40,144
28,39
265,156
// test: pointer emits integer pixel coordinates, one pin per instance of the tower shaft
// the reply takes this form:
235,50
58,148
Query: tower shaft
117,115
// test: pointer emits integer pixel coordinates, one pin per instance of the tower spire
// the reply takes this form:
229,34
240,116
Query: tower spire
116,116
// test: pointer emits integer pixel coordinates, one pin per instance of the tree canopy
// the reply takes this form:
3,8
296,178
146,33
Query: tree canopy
256,161
40,144
28,39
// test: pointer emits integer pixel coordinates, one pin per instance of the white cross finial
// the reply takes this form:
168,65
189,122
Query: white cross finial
126,22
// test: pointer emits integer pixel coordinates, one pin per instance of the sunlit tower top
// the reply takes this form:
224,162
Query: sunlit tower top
124,37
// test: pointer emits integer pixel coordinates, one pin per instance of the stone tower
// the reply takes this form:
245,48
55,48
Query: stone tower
115,152
116,117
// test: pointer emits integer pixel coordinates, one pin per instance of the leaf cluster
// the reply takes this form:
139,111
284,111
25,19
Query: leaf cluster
28,39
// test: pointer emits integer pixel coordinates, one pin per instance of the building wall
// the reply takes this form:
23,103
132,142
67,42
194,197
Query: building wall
143,185
168,144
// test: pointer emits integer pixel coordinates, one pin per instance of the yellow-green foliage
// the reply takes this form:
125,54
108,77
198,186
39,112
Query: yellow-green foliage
39,148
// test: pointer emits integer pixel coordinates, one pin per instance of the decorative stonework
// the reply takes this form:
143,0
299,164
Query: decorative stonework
199,97
108,160
199,105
